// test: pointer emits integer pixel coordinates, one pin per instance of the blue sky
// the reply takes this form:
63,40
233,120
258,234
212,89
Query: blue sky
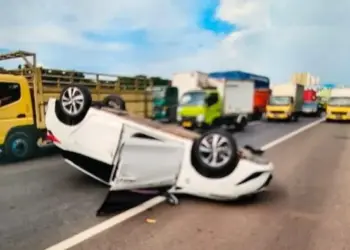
160,37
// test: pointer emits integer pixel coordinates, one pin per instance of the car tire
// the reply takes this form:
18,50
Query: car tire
19,146
114,101
72,114
201,154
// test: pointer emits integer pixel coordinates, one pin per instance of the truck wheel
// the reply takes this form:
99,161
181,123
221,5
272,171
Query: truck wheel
19,146
295,118
215,154
73,104
114,101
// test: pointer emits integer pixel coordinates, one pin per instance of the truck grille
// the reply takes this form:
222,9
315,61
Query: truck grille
277,112
339,113
189,118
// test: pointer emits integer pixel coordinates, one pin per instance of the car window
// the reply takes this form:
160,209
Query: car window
9,93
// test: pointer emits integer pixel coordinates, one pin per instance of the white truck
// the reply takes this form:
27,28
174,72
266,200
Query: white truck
210,101
286,102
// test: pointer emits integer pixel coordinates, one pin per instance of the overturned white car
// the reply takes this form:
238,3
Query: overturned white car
128,152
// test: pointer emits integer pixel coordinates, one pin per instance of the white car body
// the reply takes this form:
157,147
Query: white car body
102,146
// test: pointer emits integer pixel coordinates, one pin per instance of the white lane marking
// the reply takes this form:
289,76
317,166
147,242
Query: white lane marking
254,123
292,134
99,228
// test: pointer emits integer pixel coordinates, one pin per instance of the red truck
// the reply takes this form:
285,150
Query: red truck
310,95
261,98
311,106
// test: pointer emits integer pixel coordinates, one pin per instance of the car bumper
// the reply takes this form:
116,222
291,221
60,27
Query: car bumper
277,116
338,117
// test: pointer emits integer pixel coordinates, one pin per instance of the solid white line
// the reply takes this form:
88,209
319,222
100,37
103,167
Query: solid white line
254,123
99,228
292,134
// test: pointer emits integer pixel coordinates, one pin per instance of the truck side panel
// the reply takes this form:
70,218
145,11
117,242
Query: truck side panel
287,89
340,92
299,97
261,98
239,97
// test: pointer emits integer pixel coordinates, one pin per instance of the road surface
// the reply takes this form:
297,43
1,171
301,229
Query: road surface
307,207
45,201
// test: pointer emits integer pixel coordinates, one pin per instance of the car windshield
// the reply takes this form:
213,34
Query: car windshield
279,100
339,101
158,92
194,98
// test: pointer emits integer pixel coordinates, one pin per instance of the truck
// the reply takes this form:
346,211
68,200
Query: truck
165,100
286,102
216,99
338,106
25,91
311,105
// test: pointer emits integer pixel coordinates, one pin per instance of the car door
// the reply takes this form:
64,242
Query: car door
96,137
147,163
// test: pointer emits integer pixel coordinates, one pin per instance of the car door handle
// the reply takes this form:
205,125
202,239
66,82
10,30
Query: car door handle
21,116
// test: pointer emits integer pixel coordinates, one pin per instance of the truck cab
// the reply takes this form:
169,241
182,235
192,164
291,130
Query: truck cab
16,113
165,100
285,103
338,106
199,108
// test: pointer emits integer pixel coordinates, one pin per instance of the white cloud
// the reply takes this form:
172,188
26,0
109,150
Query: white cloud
275,37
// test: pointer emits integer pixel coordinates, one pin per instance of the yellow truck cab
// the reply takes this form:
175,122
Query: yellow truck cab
212,101
286,102
338,106
24,93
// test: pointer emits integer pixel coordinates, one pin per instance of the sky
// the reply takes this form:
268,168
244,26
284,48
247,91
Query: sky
273,38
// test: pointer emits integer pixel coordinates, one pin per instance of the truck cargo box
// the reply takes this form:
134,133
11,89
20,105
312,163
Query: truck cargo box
309,95
260,82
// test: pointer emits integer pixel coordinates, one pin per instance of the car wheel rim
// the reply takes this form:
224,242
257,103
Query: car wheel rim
72,101
215,150
19,147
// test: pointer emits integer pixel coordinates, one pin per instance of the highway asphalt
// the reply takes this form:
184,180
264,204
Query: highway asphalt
306,208
44,201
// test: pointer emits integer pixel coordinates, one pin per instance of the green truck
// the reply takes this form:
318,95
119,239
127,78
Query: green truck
165,100
218,99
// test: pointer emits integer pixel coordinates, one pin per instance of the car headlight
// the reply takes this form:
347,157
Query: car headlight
200,118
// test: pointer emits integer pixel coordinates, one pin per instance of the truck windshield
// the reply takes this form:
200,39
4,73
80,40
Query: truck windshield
339,101
279,100
158,92
193,98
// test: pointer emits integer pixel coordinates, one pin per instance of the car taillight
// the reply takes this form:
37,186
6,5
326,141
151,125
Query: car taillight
51,137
